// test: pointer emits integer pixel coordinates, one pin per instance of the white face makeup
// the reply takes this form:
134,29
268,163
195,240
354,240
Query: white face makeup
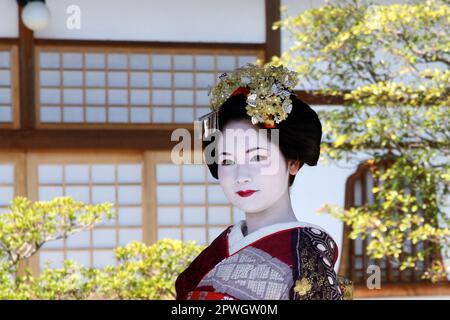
243,165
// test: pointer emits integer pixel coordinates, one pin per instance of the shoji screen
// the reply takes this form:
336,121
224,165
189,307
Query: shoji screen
12,178
92,178
94,86
9,90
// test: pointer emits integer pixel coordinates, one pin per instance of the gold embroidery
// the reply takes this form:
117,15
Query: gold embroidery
302,287
346,286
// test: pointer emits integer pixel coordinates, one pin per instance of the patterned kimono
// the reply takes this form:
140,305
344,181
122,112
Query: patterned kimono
289,261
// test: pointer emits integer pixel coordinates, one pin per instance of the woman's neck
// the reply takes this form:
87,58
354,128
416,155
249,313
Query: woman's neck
280,212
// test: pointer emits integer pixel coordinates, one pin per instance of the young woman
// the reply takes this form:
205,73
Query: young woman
263,136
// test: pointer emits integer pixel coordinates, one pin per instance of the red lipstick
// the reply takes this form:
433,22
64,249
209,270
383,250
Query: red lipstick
246,193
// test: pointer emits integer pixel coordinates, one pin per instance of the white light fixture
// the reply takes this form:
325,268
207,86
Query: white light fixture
35,14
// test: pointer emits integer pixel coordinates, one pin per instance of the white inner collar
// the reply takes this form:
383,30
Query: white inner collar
237,241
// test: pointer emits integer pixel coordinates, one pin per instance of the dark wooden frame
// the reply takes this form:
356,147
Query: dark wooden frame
26,75
273,37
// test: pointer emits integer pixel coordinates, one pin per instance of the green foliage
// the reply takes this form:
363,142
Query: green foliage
28,225
146,272
72,281
391,65
140,272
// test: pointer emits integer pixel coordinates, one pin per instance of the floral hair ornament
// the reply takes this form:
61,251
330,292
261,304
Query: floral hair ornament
268,89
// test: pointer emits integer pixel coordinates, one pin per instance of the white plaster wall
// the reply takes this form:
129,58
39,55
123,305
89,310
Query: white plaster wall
157,20
315,186
8,19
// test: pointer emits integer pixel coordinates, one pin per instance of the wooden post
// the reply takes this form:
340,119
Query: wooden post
26,88
26,75
273,37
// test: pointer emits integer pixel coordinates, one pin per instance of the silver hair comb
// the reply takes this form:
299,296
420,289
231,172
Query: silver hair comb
209,124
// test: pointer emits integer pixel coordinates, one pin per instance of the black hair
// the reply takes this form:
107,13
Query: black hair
299,134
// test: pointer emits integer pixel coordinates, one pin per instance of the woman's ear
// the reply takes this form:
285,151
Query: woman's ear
294,166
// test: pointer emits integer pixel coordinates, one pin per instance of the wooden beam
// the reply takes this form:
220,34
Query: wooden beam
273,37
157,139
9,40
148,44
318,99
26,75
144,139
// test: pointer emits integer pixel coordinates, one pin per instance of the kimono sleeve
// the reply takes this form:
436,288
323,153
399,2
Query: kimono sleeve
314,276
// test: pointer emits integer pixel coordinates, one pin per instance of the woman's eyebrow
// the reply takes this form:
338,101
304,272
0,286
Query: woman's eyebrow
249,150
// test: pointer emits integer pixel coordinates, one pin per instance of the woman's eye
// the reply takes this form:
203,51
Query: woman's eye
259,157
226,162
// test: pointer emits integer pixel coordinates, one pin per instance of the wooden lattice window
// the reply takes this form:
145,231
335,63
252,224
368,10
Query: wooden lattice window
12,174
355,261
91,178
9,87
98,87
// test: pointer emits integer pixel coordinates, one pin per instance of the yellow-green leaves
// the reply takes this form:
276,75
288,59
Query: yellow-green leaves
340,140
147,272
28,225
437,272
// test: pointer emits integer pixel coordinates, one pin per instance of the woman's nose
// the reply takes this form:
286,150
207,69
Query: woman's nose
242,180
242,176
